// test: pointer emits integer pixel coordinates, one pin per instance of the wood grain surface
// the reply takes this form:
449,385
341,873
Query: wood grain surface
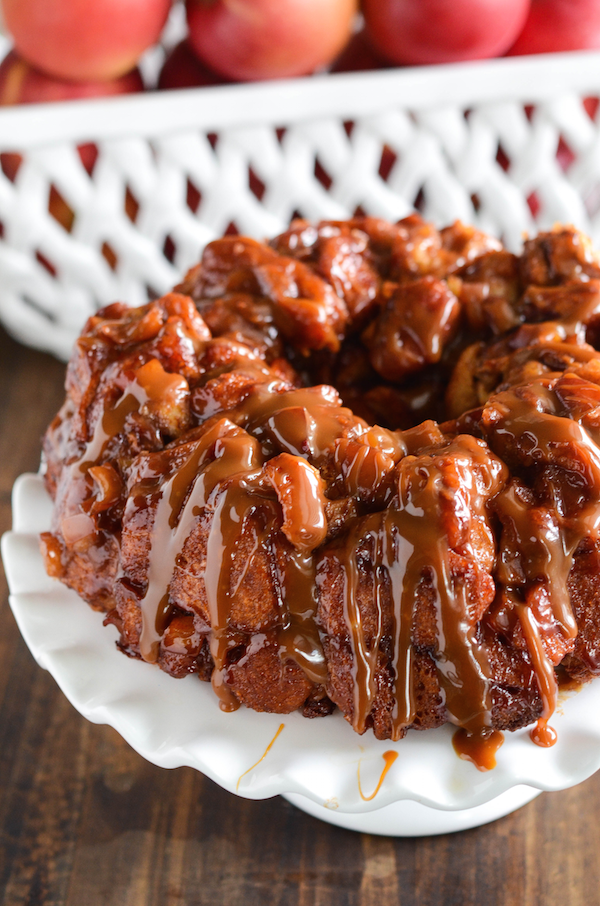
86,822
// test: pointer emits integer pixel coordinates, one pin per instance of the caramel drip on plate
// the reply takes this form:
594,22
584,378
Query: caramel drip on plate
478,748
389,759
262,757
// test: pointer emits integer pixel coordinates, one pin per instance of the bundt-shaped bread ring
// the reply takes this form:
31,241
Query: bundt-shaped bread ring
417,545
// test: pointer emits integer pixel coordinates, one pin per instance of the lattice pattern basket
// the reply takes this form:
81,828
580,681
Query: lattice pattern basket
510,145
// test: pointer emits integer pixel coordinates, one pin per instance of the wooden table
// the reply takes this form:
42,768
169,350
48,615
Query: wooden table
86,822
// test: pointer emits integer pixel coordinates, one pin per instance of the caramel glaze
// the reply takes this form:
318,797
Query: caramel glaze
151,385
532,426
438,510
229,474
259,459
410,543
262,757
389,759
479,749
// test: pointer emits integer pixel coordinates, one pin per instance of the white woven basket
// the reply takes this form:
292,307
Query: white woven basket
509,145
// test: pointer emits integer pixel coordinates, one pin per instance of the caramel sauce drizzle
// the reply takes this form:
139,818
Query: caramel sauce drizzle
389,759
539,544
223,472
234,506
150,385
364,657
542,734
299,637
227,473
478,748
262,757
404,696
408,546
408,542
460,659
304,423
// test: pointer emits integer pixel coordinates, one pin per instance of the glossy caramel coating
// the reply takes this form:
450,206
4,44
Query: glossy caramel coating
357,466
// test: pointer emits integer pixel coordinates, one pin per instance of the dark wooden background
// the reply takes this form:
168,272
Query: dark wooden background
86,822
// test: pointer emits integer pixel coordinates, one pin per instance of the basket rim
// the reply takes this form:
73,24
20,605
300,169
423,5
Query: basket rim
155,114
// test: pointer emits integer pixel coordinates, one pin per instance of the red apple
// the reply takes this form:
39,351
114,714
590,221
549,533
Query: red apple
556,25
183,69
443,31
84,40
20,83
358,56
269,39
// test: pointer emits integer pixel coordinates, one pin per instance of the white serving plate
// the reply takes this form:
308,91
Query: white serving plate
315,764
